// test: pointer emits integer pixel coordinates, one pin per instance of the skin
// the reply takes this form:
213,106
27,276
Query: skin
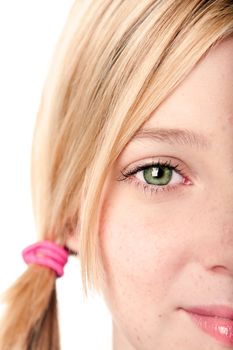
174,249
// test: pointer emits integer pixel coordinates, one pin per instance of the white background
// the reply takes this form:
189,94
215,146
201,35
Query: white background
28,33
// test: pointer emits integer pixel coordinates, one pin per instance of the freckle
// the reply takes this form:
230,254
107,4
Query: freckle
223,127
230,119
138,338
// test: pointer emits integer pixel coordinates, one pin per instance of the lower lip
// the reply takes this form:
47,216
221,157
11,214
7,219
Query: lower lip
219,328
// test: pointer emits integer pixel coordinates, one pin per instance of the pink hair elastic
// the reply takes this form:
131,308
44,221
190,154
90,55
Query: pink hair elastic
47,253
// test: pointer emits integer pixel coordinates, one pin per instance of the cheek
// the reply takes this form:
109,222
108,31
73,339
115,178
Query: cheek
140,251
141,260
145,248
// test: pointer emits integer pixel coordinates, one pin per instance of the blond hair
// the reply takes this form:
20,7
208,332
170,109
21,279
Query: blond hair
114,64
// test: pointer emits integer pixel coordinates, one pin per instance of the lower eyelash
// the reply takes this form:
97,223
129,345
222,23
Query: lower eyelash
127,176
151,188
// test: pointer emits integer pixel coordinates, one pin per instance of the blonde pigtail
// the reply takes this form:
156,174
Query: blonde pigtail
30,320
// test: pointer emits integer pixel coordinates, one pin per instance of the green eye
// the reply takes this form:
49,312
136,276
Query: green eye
157,175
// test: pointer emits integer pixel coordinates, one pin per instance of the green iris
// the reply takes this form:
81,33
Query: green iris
157,175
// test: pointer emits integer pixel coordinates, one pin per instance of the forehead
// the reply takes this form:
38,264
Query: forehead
205,95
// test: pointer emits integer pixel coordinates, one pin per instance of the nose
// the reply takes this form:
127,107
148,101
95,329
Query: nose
221,260
216,236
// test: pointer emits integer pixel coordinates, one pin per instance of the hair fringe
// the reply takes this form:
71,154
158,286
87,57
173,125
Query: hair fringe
30,320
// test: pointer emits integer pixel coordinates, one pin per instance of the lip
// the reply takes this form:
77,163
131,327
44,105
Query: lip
212,310
215,320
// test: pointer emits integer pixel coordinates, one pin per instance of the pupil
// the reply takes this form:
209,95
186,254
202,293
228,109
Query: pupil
157,171
160,172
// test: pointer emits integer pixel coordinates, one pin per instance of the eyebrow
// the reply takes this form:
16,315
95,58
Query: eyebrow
174,136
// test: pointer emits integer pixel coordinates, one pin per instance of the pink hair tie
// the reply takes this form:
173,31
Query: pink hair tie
47,253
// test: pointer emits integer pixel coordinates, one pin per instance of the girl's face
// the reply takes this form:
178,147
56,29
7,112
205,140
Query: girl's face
167,233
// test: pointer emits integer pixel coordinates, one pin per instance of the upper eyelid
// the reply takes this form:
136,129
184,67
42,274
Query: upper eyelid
138,167
166,163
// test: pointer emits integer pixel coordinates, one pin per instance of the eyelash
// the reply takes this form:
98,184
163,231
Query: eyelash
127,176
